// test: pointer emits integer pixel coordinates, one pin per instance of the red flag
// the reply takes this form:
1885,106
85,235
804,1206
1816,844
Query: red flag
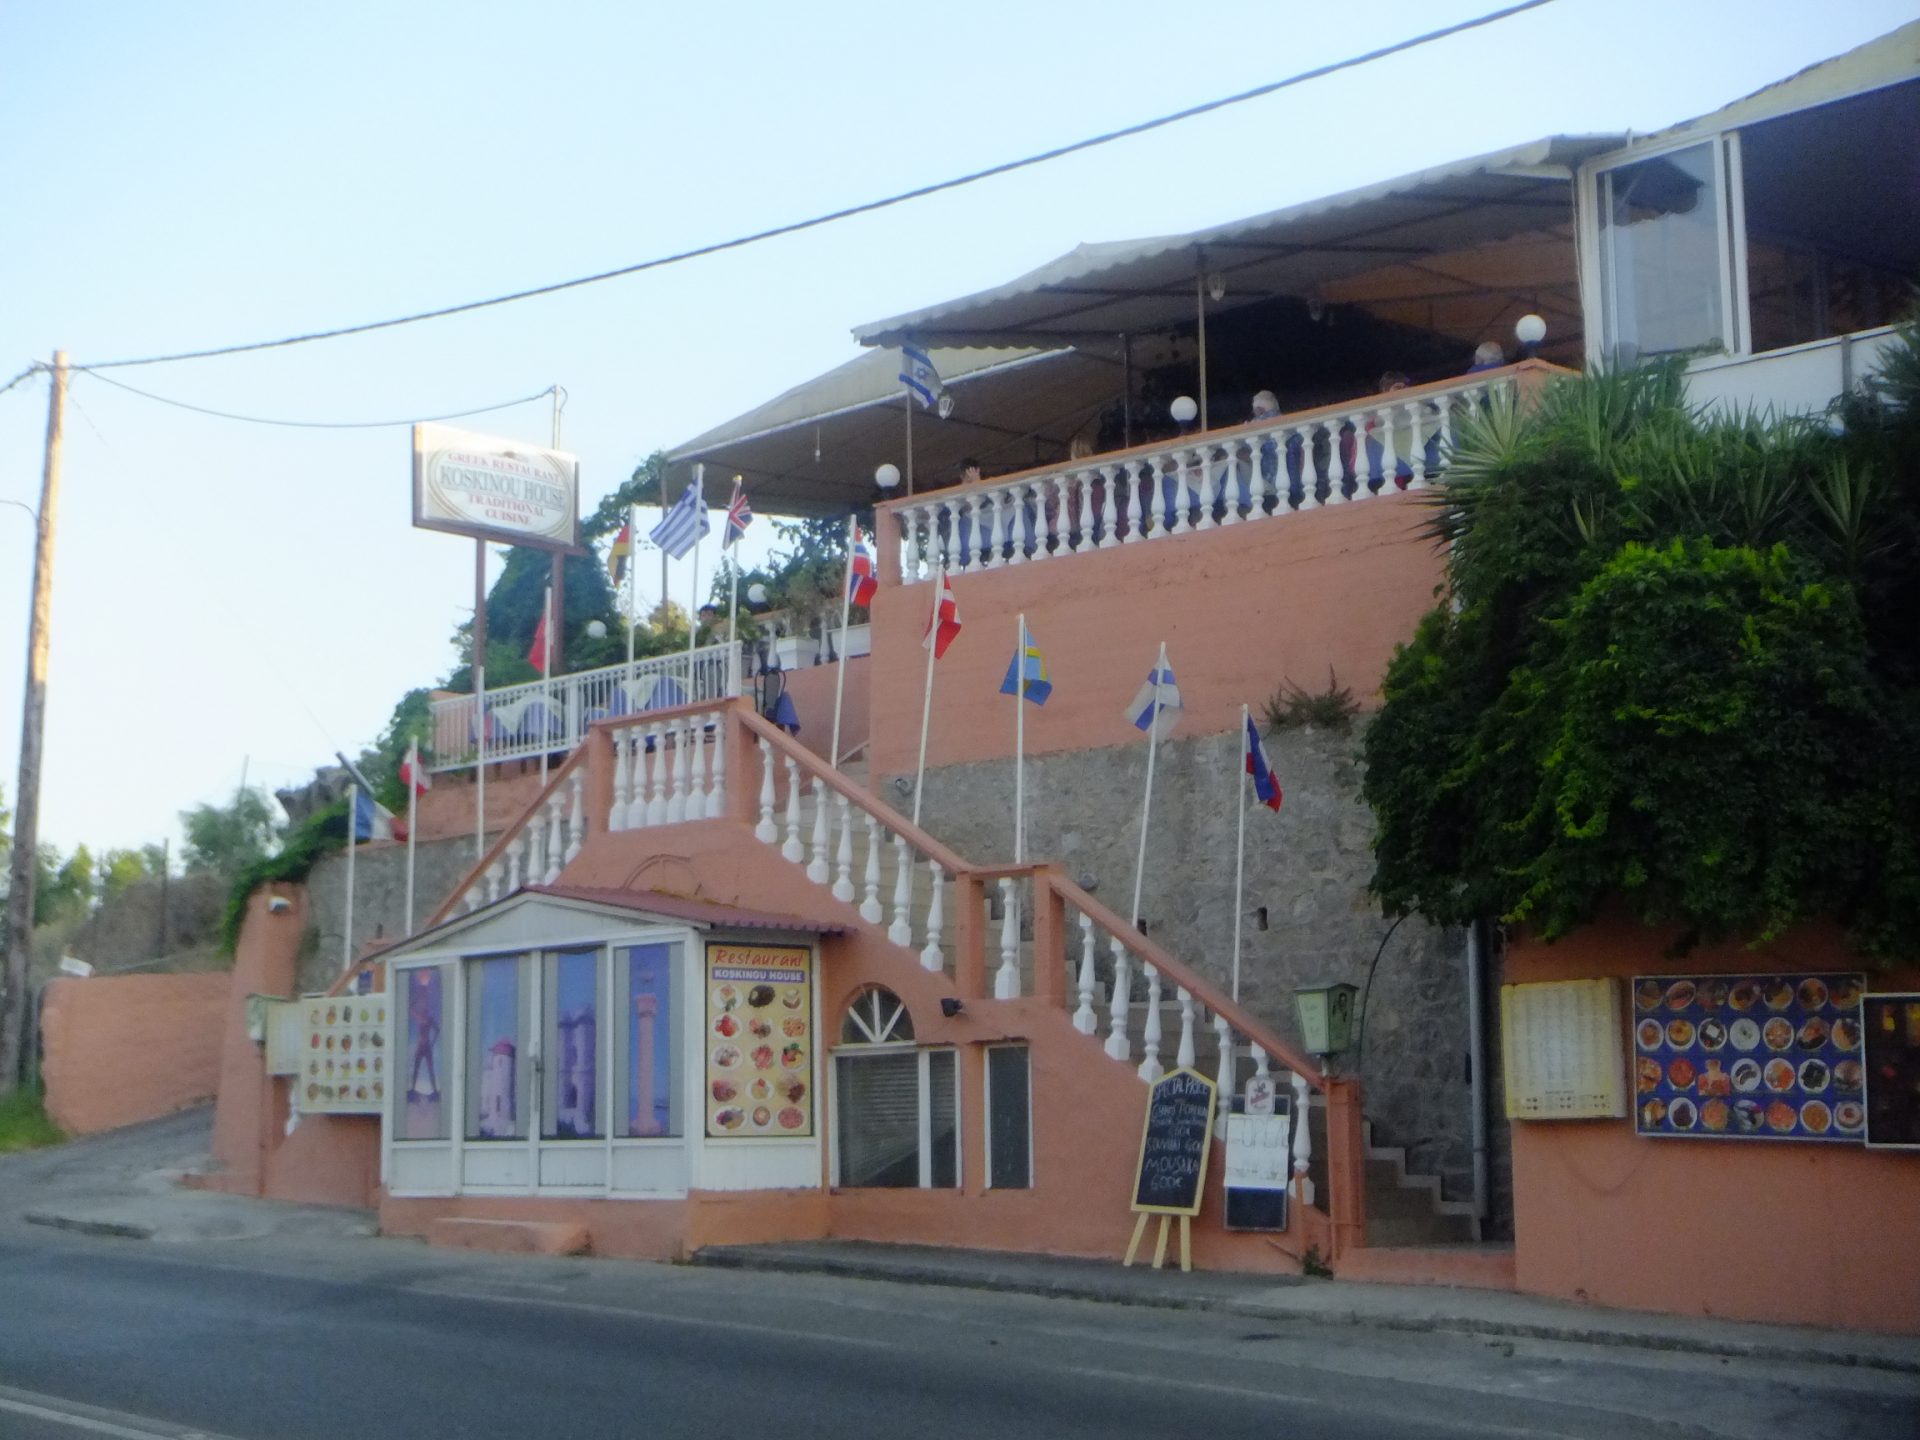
944,623
620,553
862,583
537,656
413,773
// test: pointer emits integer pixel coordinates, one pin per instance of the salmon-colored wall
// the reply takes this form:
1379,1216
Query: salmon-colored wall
1241,608
446,811
1802,1233
126,1048
812,692
328,1160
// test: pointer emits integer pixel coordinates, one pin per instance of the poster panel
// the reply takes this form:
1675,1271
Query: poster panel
346,1055
1892,1056
495,489
424,1054
650,1067
1259,1168
1749,1057
759,1041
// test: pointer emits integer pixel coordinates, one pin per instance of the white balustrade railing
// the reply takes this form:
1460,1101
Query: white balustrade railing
547,839
1399,440
669,770
549,716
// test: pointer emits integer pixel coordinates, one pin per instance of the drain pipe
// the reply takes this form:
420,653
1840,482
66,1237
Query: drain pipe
1477,1066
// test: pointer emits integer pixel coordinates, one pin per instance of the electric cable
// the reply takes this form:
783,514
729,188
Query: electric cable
313,424
919,192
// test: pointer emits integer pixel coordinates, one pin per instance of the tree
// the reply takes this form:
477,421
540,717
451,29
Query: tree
225,839
1677,672
63,889
121,870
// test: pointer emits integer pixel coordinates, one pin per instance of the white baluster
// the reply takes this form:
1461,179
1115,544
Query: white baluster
680,776
931,957
1086,542
1447,407
1183,1057
1018,499
766,831
1182,501
1150,1067
1115,476
1140,511
496,872
556,837
536,833
1006,980
617,814
793,849
1062,536
1230,472
474,898
976,558
653,750
1209,486
717,791
1389,451
1119,1043
1260,1064
1302,1139
576,815
1309,472
817,869
696,733
843,856
900,932
1084,1019
516,853
1337,463
993,554
1224,1076
870,910
909,522
1417,442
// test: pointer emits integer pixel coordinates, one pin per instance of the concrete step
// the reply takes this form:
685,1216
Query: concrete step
1392,1230
509,1237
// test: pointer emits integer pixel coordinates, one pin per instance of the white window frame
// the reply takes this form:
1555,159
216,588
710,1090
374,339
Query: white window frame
986,1082
854,1050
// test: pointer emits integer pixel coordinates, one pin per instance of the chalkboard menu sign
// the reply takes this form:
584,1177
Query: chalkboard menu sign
1892,1025
1174,1142
1748,1057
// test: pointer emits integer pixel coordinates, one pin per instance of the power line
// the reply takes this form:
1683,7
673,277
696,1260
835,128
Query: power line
794,227
313,424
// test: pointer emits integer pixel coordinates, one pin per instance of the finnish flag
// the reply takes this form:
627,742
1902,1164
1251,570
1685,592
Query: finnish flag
1156,709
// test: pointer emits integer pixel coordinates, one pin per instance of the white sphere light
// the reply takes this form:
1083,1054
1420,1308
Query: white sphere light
1530,329
1183,409
756,594
887,476
596,629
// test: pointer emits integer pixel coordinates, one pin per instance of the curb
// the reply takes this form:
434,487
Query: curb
115,1229
1066,1289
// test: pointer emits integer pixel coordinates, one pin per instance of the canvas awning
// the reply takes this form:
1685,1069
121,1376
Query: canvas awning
813,449
1095,293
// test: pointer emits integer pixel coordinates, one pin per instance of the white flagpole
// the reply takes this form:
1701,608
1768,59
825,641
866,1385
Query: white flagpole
733,624
1020,746
480,699
633,584
546,675
413,817
1240,856
926,704
353,838
840,670
1146,805
693,599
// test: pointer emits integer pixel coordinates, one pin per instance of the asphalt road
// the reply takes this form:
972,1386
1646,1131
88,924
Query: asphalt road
388,1339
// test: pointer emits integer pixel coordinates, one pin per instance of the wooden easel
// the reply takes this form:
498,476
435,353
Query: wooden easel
1160,1246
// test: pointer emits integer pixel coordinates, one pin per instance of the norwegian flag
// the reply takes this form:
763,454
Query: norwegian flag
739,516
944,622
862,583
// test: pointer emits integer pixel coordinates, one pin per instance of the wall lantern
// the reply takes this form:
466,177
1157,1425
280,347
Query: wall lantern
1326,1016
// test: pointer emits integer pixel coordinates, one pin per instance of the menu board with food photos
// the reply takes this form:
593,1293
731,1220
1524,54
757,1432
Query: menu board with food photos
344,1070
759,1042
1892,1024
1749,1057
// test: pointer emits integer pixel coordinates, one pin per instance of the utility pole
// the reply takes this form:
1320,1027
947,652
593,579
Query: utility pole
33,714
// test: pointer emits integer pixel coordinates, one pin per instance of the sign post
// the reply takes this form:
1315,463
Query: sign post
1175,1140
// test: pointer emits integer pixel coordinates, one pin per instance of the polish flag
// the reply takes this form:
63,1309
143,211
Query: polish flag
944,623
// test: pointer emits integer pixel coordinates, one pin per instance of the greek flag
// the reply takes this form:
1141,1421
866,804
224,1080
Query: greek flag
919,376
685,525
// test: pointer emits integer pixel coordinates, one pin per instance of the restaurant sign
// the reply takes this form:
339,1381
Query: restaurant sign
759,1042
495,489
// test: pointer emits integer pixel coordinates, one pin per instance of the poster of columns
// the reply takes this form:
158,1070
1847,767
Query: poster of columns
345,1070
759,1041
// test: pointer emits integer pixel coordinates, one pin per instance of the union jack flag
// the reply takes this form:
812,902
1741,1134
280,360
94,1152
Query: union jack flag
739,516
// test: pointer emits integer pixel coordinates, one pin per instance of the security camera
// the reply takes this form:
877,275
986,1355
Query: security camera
279,905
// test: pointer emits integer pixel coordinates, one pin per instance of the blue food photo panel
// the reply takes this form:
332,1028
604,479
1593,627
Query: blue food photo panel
1749,1057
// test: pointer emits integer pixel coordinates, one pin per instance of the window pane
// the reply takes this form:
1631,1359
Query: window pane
879,1120
943,1113
423,1115
570,1101
1010,1158
1662,247
649,1043
496,1023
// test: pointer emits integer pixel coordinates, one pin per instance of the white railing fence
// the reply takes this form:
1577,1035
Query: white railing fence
551,716
1377,446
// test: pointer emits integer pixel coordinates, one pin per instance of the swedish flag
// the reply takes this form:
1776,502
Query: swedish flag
1039,685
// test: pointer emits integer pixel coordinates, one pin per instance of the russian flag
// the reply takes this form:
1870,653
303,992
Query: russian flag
373,821
1265,786
862,583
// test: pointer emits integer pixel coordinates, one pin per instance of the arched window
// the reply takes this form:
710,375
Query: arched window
897,1121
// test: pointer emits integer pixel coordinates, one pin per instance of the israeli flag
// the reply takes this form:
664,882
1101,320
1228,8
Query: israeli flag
919,376
686,524
1156,709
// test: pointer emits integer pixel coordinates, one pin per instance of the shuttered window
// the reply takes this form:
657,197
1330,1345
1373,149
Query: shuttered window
897,1121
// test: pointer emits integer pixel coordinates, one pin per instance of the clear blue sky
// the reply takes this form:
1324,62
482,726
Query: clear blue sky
196,174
